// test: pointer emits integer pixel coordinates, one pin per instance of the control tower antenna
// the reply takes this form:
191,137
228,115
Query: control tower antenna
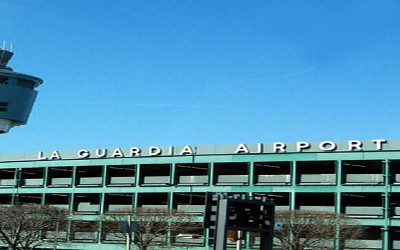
5,55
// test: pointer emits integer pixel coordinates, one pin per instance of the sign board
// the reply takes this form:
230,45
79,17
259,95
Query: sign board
240,213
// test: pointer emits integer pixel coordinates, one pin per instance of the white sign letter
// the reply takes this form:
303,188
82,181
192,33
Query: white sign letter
117,153
355,145
101,153
83,153
302,145
327,146
170,150
187,150
242,148
278,146
379,143
41,156
55,156
134,152
154,151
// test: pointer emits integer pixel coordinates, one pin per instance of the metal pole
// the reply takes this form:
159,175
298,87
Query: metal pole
239,240
128,233
221,224
17,177
57,229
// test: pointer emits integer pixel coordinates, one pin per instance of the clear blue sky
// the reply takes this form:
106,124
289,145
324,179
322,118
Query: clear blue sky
121,74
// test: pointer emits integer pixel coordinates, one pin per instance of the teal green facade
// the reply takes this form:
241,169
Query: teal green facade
339,181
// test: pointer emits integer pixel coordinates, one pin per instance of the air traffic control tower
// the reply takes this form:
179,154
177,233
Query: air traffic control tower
17,93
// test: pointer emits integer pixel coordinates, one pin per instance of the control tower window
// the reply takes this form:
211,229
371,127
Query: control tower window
3,106
4,80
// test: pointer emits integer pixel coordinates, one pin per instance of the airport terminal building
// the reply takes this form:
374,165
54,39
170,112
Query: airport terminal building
358,178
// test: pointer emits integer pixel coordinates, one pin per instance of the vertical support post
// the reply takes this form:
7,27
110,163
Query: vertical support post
135,199
247,235
102,202
221,224
292,205
43,199
170,207
385,238
239,240
338,209
45,176
207,237
211,174
104,176
74,176
339,175
251,174
172,175
57,229
338,202
17,177
387,210
71,202
128,233
137,173
101,211
293,176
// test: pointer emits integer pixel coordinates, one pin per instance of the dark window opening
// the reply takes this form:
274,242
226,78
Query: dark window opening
155,174
191,174
324,202
153,200
118,202
7,177
363,172
189,202
231,173
59,176
60,201
121,175
316,172
87,203
362,204
272,173
89,175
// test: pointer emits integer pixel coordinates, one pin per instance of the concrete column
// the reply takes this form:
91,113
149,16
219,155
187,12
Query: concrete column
251,174
292,205
387,211
42,199
135,199
293,180
386,238
206,237
339,175
137,175
102,205
74,177
338,200
172,175
104,176
338,206
293,174
170,200
211,174
45,176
